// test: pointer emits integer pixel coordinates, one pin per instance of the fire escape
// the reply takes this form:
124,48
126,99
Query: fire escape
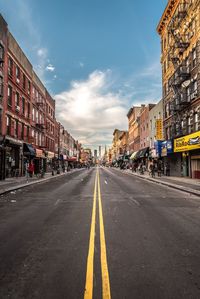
180,80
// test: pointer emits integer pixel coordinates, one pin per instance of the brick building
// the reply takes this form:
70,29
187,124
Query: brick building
28,129
133,129
179,30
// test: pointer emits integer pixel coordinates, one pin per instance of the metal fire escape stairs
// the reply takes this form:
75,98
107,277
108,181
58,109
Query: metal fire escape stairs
181,75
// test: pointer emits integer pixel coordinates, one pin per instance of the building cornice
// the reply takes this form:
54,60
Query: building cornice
168,12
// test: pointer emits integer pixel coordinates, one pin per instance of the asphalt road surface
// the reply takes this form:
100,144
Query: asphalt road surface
99,233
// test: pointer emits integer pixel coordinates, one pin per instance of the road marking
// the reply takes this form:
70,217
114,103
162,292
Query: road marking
106,182
104,266
90,260
57,201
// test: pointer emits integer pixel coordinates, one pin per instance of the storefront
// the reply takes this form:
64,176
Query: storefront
155,154
72,162
39,161
28,156
171,160
50,161
13,157
142,156
189,148
2,162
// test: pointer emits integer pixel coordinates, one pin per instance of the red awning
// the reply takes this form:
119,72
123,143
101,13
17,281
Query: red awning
72,159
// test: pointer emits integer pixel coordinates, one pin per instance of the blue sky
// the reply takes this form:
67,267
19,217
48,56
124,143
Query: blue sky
96,57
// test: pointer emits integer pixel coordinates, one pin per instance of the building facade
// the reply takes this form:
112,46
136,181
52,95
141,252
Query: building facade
27,115
155,128
179,30
134,129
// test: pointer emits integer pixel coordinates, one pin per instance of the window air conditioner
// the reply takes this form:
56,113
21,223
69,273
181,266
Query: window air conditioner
17,108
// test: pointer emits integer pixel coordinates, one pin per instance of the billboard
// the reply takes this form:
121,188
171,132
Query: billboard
166,148
187,143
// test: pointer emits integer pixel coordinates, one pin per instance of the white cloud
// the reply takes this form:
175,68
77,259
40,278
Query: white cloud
42,53
50,68
90,111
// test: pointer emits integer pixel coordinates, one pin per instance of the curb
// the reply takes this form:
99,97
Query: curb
13,188
171,185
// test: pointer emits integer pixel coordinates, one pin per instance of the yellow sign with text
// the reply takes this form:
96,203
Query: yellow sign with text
159,129
187,143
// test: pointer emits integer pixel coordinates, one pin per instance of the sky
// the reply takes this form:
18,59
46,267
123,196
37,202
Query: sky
97,58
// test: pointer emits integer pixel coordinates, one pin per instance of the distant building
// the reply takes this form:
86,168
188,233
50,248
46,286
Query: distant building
95,153
99,151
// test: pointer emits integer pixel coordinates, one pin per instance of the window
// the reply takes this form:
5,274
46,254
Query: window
16,128
37,116
27,132
188,91
1,86
22,132
17,74
188,125
194,58
167,110
33,114
29,110
9,96
17,99
23,105
24,81
8,125
196,122
29,87
10,67
1,55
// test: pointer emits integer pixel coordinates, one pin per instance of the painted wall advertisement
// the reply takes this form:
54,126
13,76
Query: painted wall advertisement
159,129
187,143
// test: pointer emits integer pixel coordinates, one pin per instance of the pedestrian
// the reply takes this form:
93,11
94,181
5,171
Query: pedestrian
167,169
31,169
159,168
152,170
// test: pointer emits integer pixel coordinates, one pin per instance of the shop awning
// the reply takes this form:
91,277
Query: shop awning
72,159
142,153
133,156
28,149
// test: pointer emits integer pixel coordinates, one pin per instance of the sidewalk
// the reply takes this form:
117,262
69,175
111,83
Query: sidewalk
11,184
181,183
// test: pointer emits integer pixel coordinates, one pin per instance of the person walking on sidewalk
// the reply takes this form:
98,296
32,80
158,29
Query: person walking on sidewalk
159,168
31,169
167,169
152,170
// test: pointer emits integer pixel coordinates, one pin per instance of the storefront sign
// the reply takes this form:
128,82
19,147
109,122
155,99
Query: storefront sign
38,153
187,143
50,155
159,129
166,148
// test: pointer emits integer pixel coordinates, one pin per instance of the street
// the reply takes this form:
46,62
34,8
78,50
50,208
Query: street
56,243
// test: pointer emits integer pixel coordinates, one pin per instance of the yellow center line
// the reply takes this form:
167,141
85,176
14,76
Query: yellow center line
90,260
104,266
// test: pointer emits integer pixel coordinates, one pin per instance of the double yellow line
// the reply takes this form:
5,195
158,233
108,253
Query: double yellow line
90,260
